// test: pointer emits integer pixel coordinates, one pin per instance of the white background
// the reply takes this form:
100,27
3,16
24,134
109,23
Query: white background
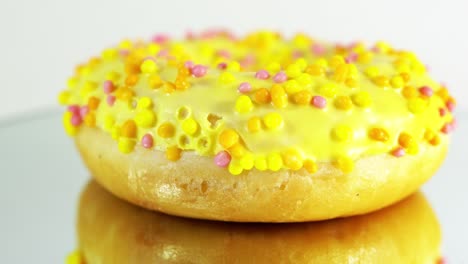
42,41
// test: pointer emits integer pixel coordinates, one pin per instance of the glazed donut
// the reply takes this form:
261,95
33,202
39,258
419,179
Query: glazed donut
261,128
113,231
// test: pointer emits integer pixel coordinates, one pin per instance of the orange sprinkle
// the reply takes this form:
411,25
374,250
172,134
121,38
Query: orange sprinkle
166,130
409,92
131,79
173,153
406,140
155,81
228,138
93,103
181,84
237,150
129,129
381,81
90,120
406,76
262,96
310,166
302,98
343,103
132,68
379,134
124,94
169,87
315,70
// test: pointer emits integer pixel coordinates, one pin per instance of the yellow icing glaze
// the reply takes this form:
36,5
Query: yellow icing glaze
377,88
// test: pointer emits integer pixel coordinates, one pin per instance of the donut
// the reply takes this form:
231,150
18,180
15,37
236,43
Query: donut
259,128
110,230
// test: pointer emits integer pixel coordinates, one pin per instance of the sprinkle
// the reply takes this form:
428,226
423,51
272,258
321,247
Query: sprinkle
278,96
76,120
409,92
273,120
406,140
442,111
280,77
274,67
84,110
63,97
145,118
318,49
129,129
247,161
233,66
222,159
293,71
274,162
343,102
315,70
450,104
166,130
199,70
190,126
243,104
342,133
173,153
93,103
362,99
292,159
292,87
319,101
160,38
345,164
260,163
147,141
244,87
74,258
110,100
222,66
262,96
399,152
372,71
310,166
126,145
447,128
90,120
397,81
148,66
379,134
417,105
254,124
262,75
302,98
381,81
237,151
108,86
155,81
426,91
226,78
235,168
328,90
228,138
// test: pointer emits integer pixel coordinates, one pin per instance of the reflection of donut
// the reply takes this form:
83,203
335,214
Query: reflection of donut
259,128
113,231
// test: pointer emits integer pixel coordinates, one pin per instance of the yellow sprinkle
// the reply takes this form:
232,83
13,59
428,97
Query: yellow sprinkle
173,153
362,99
166,130
383,47
274,162
190,126
144,103
302,98
254,124
244,104
292,159
115,132
305,79
409,92
235,168
343,102
341,73
345,164
372,71
233,66
228,138
153,49
87,88
109,122
293,71
247,161
351,82
342,133
155,81
381,81
336,60
126,145
69,128
74,258
72,82
365,57
237,151
260,163
273,120
328,90
145,118
417,105
109,54
273,67
413,149
90,120
397,81
125,44
301,63
278,96
310,166
315,70
322,62
429,135
302,40
226,78
148,66
112,76
292,87
63,97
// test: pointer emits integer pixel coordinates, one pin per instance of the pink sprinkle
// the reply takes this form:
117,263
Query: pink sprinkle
244,87
262,75
447,128
222,159
223,53
319,101
124,52
297,54
426,91
189,64
110,100
454,124
108,86
280,77
442,260
189,35
160,38
351,58
74,109
84,110
318,49
399,152
442,111
247,61
222,65
147,141
198,70
163,53
76,120
450,105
